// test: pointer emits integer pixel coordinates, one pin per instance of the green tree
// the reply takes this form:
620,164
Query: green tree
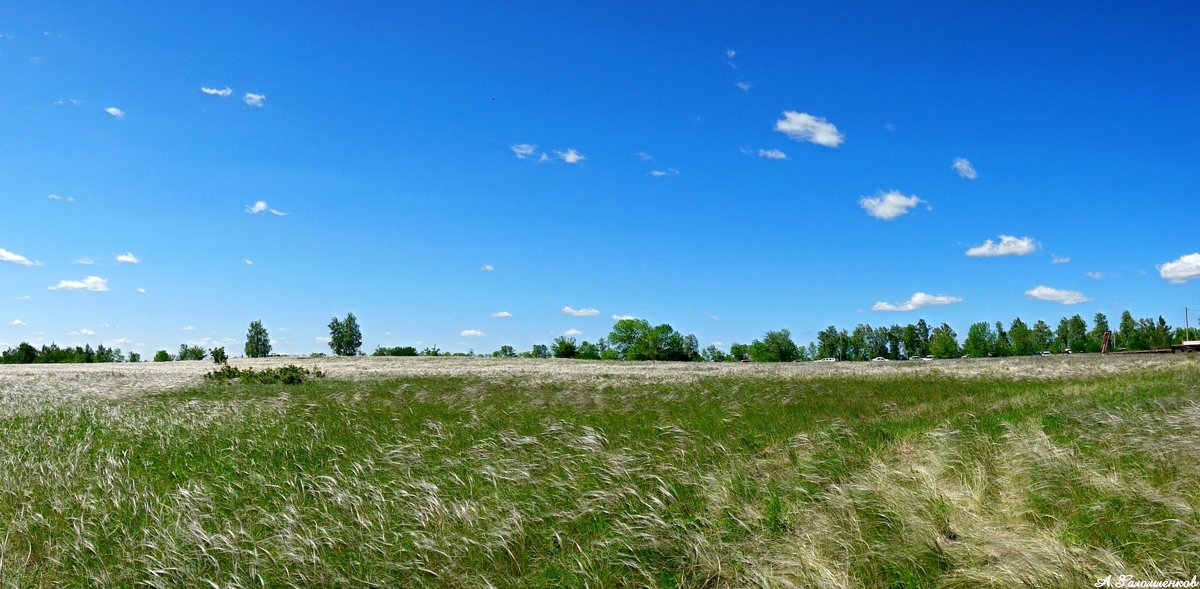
540,351
738,352
1023,341
1043,337
1077,334
135,357
505,351
564,347
162,356
775,346
219,356
980,342
345,338
1095,337
258,342
1004,346
187,352
714,354
588,351
1126,331
943,342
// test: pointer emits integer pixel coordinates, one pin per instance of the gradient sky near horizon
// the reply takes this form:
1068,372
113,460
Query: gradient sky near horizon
470,175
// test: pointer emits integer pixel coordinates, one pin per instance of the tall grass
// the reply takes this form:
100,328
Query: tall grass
723,480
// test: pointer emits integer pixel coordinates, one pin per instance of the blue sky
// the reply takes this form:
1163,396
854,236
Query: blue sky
398,150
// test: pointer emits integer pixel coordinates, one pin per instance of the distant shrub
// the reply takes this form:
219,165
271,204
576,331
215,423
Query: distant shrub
135,357
187,352
290,374
433,351
162,356
395,351
219,356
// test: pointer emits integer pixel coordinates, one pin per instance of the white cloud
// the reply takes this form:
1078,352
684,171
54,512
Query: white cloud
888,205
91,283
252,99
570,156
1008,246
23,298
523,150
85,261
116,112
470,333
744,86
1057,260
543,158
321,339
572,332
222,92
188,328
622,317
714,317
260,206
964,168
1054,295
1094,275
57,197
1176,271
918,300
580,312
17,323
141,290
729,53
15,258
645,157
501,314
666,172
248,262
121,341
82,332
772,154
802,126
127,258
487,267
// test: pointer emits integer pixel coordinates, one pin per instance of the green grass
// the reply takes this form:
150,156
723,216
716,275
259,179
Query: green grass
459,482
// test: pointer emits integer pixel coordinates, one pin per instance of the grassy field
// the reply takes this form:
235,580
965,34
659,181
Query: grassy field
1038,472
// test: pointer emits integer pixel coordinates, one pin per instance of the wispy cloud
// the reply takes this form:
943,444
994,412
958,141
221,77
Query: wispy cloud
1177,271
888,205
501,314
744,86
964,168
225,92
1059,260
523,150
714,317
261,206
70,101
471,333
188,328
666,172
570,156
588,312
802,126
141,291
57,197
248,262
85,261
23,298
487,268
115,112
17,323
918,300
256,100
127,258
15,258
82,332
1094,275
622,317
1054,295
1008,246
572,332
91,284
645,157
772,154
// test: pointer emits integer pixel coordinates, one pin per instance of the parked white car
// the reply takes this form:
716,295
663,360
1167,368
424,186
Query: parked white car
880,359
827,360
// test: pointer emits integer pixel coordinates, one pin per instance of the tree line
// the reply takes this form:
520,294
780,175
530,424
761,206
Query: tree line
637,339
